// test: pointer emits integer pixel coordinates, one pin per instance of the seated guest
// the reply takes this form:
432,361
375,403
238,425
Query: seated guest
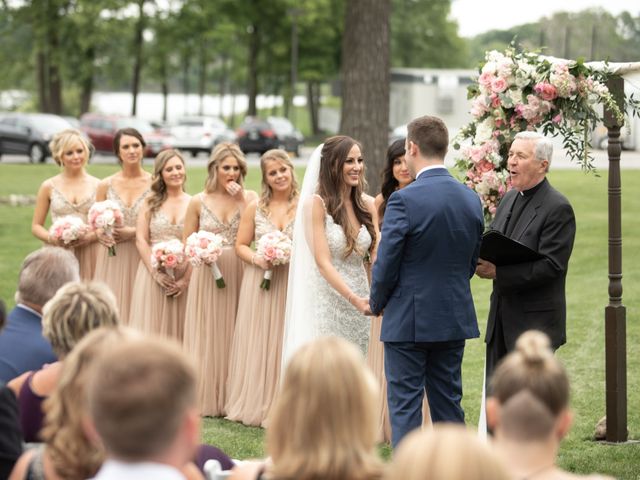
324,420
22,346
75,310
67,452
10,435
529,409
448,452
143,408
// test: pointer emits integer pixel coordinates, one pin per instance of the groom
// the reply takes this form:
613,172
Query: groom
428,251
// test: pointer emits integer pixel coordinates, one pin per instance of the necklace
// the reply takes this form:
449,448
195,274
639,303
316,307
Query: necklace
537,472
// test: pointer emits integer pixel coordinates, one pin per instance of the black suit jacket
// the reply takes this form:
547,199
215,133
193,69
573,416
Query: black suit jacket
532,294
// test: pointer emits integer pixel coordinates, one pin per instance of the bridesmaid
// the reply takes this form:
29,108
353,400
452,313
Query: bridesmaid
394,177
158,301
256,351
71,192
211,311
127,188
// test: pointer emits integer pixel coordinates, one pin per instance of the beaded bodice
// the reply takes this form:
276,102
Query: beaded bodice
130,214
161,229
61,207
210,222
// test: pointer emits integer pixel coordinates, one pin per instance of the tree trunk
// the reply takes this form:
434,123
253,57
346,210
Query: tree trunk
186,65
137,50
313,102
222,84
54,74
365,82
164,85
202,79
86,83
41,80
252,81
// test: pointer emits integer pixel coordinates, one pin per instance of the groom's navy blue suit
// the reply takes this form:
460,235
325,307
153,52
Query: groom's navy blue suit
428,252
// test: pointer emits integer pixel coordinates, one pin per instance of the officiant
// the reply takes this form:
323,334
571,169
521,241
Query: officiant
529,295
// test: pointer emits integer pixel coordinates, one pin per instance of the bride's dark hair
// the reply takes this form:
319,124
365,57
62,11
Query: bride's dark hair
331,185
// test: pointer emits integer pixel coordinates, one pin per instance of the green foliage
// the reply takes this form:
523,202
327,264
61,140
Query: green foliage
593,34
423,35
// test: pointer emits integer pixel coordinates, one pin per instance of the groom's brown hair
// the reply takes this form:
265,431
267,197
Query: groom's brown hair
431,136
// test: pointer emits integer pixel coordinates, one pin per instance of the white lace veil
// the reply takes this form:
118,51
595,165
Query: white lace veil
300,321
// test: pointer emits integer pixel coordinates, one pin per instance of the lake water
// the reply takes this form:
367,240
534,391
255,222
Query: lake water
150,105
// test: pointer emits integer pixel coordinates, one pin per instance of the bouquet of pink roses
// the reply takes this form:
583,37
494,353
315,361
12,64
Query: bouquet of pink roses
166,256
274,247
106,215
204,248
68,229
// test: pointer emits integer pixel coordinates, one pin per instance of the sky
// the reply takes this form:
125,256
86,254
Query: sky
478,16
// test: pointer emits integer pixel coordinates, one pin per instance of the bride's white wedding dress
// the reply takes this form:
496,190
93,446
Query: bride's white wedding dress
314,308
335,315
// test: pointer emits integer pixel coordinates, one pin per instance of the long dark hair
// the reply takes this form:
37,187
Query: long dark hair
330,183
389,182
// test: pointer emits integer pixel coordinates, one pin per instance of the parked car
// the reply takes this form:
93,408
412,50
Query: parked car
101,130
200,134
257,135
29,133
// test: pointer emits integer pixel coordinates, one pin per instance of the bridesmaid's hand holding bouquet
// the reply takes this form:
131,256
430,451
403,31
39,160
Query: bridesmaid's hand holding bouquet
205,248
105,217
165,258
275,248
67,231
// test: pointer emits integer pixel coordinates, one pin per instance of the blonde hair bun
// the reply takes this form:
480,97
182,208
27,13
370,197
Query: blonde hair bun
534,346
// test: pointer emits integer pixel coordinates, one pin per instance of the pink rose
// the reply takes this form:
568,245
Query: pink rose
498,85
495,101
546,91
171,260
270,252
484,166
485,79
557,118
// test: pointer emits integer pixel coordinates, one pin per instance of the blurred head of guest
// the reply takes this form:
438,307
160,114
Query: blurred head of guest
324,421
75,310
142,402
42,273
529,406
427,455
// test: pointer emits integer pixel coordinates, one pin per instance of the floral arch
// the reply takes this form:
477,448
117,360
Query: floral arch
517,91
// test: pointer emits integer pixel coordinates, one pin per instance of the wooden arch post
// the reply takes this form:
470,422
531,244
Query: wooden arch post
615,312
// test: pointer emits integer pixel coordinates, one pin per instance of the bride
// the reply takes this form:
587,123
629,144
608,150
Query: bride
335,231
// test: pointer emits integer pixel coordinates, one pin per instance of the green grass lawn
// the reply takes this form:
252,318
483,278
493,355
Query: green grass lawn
586,298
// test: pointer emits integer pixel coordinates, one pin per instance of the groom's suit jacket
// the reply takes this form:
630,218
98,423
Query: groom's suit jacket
531,295
428,252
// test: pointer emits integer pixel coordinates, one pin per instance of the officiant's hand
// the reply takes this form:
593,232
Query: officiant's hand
485,269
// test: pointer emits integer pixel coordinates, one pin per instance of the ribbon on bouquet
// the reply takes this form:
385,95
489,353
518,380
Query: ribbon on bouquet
217,275
266,280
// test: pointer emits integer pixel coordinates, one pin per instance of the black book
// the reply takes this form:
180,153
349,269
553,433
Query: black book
502,250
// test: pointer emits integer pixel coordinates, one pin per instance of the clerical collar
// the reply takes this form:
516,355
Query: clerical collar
532,190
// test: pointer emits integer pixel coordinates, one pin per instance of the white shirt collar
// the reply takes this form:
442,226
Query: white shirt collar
29,309
430,167
117,470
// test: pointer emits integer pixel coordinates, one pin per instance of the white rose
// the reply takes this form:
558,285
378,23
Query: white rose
484,130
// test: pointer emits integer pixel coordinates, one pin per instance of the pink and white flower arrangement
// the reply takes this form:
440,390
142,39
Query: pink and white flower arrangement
517,91
68,229
106,216
167,256
205,248
275,248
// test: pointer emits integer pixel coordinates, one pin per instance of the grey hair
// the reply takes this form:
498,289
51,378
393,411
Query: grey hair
43,272
543,149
